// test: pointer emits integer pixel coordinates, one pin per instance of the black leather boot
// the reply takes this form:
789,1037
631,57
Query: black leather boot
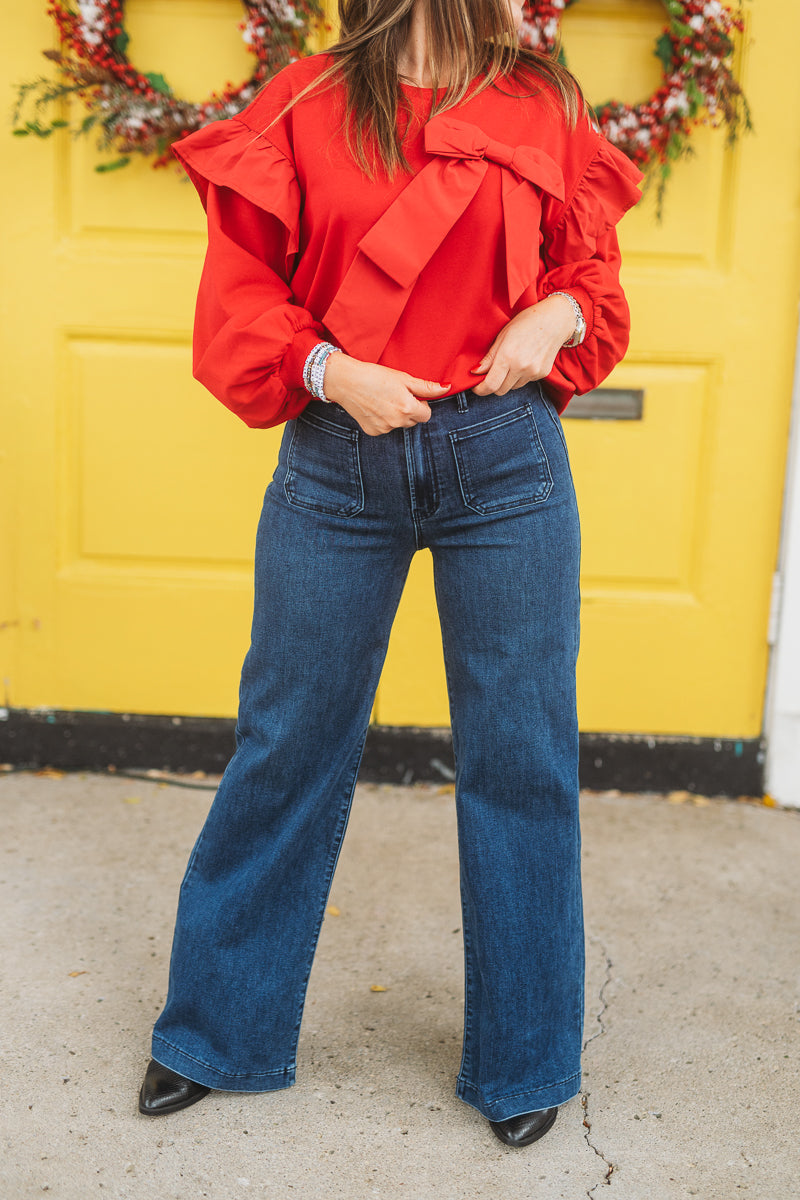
164,1091
526,1128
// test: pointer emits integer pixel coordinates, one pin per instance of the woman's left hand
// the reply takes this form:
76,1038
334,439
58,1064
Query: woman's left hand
525,349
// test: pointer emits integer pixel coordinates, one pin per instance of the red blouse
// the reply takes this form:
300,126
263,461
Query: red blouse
505,205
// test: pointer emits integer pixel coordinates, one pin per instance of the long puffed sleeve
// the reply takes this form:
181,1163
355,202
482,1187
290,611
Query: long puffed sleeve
250,339
580,254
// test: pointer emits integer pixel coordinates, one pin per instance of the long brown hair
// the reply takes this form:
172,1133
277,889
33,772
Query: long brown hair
465,39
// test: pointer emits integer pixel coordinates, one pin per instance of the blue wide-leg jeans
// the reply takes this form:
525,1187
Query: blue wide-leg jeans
486,486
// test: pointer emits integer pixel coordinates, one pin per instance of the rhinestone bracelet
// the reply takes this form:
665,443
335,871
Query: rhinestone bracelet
309,363
314,369
317,370
579,333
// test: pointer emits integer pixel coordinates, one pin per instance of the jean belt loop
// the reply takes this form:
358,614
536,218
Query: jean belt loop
461,402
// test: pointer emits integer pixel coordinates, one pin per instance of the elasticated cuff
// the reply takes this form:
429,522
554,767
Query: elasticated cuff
301,345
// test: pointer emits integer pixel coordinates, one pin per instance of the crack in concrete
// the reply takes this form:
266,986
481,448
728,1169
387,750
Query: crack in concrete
599,1032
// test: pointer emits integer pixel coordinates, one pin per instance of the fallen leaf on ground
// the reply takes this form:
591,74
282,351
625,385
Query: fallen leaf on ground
679,797
376,987
770,801
49,773
333,911
132,800
74,974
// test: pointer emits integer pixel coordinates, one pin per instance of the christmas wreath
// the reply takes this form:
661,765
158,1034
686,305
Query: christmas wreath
136,112
698,87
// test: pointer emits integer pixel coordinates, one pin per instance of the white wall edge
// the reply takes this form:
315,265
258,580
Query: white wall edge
782,703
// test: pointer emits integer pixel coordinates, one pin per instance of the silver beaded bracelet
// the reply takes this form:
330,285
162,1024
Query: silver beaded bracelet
314,369
579,334
308,365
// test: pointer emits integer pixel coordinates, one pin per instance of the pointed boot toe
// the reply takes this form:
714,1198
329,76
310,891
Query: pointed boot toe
525,1128
164,1091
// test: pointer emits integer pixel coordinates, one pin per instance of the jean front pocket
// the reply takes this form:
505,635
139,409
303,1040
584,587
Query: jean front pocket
501,462
323,468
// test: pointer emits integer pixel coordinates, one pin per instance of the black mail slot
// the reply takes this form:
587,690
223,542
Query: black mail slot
607,404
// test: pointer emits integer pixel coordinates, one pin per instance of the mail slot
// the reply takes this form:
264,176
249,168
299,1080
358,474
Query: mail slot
607,404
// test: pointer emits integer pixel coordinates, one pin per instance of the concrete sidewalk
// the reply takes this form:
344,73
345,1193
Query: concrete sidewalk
691,1065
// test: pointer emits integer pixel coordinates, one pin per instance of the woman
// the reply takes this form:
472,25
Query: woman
412,261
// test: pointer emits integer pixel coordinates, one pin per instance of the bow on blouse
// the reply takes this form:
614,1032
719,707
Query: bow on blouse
394,251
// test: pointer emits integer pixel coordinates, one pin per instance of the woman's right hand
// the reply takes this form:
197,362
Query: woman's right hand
379,398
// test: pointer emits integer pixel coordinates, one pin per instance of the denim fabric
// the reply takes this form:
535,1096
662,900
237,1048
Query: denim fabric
486,485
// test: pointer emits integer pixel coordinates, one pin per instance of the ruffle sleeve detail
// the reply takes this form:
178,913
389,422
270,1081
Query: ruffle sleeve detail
607,189
231,155
250,337
580,255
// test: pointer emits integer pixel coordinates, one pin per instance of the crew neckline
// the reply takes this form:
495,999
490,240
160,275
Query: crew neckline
414,87
418,87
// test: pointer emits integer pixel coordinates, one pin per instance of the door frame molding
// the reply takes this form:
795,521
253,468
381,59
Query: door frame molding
782,703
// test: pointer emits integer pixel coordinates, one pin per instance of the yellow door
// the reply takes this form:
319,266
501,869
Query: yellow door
131,497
